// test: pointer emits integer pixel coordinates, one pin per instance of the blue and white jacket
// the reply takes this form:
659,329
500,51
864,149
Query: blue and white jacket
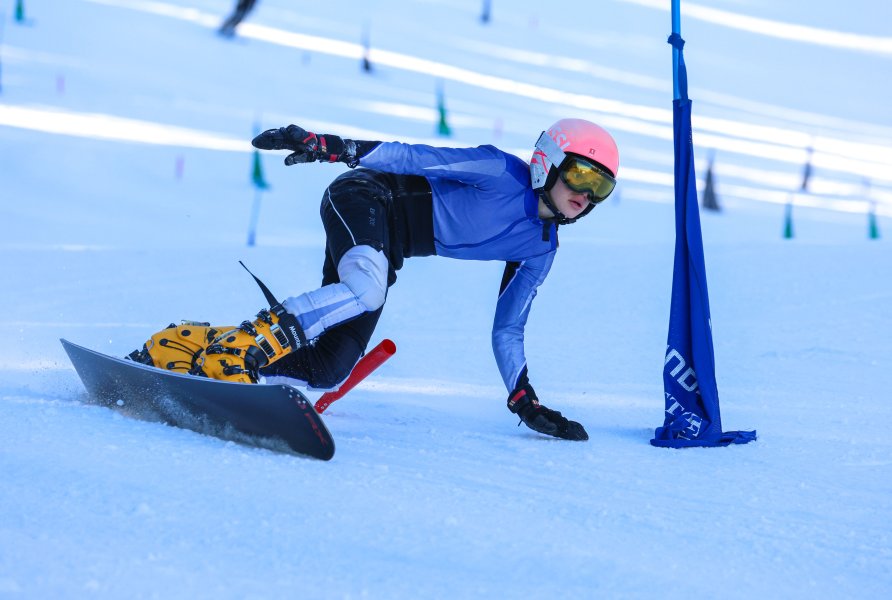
484,208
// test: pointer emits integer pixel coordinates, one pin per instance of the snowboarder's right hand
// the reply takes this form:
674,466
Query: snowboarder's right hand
307,146
524,403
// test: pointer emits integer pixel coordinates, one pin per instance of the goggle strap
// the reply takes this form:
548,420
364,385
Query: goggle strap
550,148
552,153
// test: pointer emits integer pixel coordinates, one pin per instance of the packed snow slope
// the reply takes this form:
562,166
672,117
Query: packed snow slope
125,196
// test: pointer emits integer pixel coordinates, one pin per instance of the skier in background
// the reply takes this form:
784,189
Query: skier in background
410,200
241,10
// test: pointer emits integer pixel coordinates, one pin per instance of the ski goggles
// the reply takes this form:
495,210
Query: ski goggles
587,178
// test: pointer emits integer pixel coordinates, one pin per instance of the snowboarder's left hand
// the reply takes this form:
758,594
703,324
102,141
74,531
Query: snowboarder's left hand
307,146
524,403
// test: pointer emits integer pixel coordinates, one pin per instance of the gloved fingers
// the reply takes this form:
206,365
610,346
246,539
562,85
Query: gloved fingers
574,431
553,423
299,157
543,425
286,138
272,139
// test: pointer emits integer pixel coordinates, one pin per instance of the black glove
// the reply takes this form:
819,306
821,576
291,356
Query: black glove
307,146
524,403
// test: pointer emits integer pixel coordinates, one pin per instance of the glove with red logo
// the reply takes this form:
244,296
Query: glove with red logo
524,403
309,147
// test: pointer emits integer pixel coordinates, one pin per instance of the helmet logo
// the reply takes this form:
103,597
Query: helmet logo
572,136
539,158
546,154
558,135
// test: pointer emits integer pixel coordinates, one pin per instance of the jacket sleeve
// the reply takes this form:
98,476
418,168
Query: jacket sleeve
481,166
519,285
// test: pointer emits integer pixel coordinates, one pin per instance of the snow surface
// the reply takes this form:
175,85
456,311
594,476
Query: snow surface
125,195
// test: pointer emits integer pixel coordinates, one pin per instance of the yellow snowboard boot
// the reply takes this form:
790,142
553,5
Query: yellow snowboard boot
176,347
239,353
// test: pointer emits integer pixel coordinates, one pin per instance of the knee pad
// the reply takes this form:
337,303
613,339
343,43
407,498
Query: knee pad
364,270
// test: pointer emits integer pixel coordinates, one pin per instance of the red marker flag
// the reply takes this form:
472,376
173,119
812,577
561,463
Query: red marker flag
363,369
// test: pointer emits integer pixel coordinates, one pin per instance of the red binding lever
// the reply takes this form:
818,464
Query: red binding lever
368,363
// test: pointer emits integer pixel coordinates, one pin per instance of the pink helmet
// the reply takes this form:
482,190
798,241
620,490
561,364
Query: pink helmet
574,136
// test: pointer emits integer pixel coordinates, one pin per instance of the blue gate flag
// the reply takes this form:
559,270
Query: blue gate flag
692,398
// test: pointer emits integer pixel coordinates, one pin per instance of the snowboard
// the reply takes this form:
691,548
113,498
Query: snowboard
277,417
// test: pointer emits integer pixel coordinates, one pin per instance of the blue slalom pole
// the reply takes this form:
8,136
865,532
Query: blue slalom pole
255,216
692,416
676,29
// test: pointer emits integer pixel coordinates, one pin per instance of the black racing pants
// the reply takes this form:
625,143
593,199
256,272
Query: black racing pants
390,213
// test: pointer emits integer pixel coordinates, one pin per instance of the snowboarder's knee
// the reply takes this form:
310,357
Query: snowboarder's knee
364,270
331,377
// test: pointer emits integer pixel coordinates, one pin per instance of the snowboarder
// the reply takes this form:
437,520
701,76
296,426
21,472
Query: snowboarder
241,10
411,200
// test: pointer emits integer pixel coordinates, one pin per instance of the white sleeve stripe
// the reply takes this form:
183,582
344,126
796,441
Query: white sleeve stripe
513,277
529,299
328,192
482,167
371,152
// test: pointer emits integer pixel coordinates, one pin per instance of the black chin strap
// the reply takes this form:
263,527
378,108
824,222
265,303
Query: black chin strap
555,220
559,217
